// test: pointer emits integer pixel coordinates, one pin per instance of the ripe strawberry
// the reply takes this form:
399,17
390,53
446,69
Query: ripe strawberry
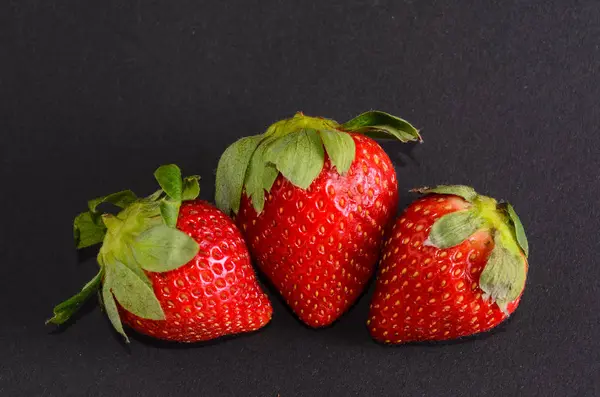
318,232
455,265
184,276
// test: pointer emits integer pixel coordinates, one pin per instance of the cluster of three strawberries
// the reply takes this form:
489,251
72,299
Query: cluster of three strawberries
314,202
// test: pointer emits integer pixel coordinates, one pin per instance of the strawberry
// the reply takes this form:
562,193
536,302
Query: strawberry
455,265
330,192
171,266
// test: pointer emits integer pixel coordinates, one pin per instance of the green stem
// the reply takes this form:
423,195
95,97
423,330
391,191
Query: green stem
298,122
487,209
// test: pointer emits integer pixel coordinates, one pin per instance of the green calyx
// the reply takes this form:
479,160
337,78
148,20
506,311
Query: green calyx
140,237
503,278
296,148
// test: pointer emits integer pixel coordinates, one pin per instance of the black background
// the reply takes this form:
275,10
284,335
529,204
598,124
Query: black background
95,95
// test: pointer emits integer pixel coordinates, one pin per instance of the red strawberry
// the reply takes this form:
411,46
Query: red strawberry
184,276
215,293
318,232
455,265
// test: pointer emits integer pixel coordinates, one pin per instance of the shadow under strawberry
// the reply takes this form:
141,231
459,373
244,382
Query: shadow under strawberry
406,151
173,345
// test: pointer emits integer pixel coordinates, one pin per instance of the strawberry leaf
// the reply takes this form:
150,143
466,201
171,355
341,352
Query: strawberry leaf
154,196
340,147
298,156
466,192
169,178
231,171
260,174
87,231
121,199
133,293
110,306
452,229
88,228
518,229
126,256
191,187
503,278
162,248
66,309
169,210
381,125
270,173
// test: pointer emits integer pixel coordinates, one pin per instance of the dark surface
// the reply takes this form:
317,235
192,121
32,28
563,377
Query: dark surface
95,95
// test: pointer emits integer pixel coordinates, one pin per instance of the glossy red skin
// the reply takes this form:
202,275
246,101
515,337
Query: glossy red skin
424,293
319,246
213,295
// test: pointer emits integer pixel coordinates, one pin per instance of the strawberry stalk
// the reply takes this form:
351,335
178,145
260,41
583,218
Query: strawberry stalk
140,237
296,148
